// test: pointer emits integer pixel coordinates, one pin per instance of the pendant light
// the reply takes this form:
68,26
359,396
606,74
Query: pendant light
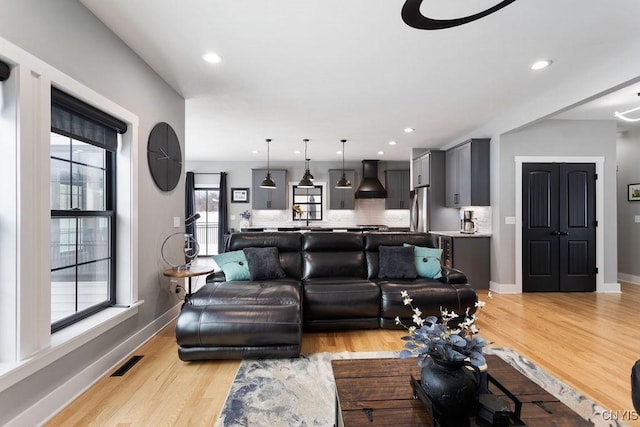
343,183
307,178
267,182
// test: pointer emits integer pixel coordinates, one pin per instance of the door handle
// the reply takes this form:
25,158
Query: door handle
555,233
563,233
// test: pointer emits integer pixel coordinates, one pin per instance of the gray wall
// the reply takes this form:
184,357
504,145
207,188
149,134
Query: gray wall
67,36
628,230
550,138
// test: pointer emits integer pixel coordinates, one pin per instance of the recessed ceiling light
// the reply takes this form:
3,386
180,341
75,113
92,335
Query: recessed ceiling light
255,152
212,58
338,152
409,130
392,143
296,152
539,65
380,153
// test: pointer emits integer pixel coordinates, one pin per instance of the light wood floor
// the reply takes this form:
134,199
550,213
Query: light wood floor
590,341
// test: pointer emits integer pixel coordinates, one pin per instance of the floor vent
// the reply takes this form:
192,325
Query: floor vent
127,365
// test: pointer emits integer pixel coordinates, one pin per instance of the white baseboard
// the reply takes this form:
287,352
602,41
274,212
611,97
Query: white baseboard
609,288
629,278
512,288
43,410
504,288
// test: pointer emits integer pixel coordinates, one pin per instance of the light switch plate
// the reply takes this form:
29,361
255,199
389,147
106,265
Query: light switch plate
176,222
636,219
509,219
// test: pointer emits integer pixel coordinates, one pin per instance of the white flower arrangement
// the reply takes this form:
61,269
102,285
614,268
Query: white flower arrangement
434,337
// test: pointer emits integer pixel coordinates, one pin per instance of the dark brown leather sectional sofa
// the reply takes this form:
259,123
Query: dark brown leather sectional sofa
331,284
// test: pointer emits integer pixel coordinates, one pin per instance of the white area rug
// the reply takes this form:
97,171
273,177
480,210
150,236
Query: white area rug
301,392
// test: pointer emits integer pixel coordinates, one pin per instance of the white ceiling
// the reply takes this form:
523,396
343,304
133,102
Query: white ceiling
333,69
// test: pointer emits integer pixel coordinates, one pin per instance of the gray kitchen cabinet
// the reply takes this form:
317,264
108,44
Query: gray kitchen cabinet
467,174
264,198
421,171
397,185
471,255
342,198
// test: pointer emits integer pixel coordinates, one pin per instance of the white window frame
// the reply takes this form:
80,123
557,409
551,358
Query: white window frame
26,341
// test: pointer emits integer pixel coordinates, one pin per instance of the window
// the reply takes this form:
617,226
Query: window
310,202
207,202
83,211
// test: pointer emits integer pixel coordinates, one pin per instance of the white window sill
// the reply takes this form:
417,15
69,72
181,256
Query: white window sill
65,341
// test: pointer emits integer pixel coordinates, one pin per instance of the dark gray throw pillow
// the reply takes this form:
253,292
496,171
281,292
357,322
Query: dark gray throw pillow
264,263
396,262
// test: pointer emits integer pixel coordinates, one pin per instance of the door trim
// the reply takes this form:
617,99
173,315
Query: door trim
599,162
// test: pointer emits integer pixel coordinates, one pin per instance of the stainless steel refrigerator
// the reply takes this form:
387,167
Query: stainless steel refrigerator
428,211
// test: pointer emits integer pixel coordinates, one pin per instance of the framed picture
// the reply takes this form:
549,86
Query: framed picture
634,192
239,195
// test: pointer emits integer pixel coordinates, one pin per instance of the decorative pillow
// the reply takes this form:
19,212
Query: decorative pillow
427,261
396,262
234,265
264,263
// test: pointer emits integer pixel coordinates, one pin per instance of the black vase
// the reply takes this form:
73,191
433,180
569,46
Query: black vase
452,388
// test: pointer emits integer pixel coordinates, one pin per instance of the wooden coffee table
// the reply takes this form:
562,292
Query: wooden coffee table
377,392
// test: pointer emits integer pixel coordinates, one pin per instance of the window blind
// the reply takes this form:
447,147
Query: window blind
77,119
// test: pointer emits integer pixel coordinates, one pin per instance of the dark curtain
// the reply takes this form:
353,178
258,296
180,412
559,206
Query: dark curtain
190,204
222,213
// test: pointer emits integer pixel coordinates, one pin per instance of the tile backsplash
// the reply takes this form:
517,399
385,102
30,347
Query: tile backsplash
482,215
366,212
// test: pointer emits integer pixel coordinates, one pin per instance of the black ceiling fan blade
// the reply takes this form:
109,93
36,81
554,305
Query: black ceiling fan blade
412,17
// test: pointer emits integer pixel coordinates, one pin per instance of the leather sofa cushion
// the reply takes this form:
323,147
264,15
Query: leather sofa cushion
333,255
334,264
340,298
234,325
267,292
288,244
428,296
331,242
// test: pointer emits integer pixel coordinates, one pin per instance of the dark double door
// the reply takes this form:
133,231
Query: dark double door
558,227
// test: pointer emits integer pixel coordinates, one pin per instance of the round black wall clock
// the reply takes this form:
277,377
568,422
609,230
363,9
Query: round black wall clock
164,156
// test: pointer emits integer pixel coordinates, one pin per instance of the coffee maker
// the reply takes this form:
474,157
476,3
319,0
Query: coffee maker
468,222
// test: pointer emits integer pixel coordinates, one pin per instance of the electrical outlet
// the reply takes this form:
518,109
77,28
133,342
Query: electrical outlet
174,286
176,222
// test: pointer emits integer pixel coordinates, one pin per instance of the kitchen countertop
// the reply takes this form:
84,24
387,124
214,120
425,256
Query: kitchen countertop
459,234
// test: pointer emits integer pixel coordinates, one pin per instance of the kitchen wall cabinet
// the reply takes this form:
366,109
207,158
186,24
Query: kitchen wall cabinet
264,198
342,198
397,185
421,171
471,255
467,174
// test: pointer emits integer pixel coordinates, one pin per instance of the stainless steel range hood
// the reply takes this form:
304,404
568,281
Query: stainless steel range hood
370,187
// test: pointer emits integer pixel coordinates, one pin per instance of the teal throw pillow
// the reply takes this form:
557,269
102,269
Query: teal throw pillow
234,265
427,261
